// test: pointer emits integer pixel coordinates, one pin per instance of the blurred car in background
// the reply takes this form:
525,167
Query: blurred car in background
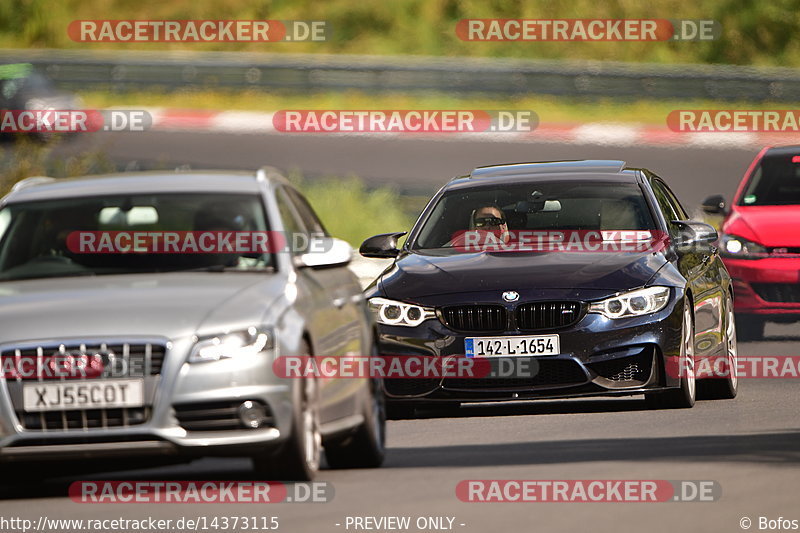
760,240
23,88
196,334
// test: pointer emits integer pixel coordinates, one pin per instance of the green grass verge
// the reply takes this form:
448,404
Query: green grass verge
753,32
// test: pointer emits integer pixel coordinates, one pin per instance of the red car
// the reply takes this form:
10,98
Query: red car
760,241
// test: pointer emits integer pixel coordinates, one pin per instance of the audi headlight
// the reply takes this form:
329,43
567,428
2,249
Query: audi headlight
394,313
634,303
248,341
735,246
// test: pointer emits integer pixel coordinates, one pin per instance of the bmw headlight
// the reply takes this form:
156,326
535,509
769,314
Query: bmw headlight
248,341
394,313
634,303
735,246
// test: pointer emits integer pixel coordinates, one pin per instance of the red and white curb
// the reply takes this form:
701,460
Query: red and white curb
610,134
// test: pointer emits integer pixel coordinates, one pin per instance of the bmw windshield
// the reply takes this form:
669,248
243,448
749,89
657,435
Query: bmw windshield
553,206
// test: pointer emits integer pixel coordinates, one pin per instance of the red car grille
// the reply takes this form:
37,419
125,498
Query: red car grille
778,292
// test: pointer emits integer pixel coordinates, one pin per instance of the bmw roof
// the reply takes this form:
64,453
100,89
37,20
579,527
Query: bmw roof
548,167
593,169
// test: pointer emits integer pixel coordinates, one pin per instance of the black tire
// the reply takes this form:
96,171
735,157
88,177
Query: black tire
684,396
750,327
366,448
724,388
400,410
299,457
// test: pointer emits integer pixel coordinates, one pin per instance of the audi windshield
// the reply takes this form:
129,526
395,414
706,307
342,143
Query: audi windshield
130,234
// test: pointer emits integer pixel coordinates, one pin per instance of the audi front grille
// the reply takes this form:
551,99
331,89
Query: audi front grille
137,359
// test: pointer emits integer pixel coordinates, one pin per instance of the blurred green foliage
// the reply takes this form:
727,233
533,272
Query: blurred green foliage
26,157
753,31
352,211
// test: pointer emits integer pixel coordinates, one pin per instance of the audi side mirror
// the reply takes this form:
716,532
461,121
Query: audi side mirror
325,252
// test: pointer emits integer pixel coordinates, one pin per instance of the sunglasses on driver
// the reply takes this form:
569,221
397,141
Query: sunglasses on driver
482,222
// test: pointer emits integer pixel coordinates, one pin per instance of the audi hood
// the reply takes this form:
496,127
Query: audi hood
171,305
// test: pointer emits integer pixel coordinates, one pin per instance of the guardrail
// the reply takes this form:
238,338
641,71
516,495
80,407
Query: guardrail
126,71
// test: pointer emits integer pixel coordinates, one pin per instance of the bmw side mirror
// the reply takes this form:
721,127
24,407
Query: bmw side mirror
383,245
694,236
714,205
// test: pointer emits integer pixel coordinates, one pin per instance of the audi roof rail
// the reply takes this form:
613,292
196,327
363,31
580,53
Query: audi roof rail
269,172
31,182
548,167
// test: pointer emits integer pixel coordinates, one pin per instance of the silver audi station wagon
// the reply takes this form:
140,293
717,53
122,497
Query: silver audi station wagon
176,350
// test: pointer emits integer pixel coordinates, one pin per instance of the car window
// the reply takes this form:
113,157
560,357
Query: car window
776,181
5,220
292,224
55,238
38,82
554,205
664,204
677,208
306,212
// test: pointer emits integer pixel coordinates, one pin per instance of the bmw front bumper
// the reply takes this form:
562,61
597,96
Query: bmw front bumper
599,356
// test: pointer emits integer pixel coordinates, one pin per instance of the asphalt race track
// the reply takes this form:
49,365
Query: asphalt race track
415,165
750,446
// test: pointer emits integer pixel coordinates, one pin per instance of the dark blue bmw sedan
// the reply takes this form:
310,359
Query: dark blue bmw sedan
589,271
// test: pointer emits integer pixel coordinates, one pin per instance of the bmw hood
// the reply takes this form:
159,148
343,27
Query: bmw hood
171,305
417,276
